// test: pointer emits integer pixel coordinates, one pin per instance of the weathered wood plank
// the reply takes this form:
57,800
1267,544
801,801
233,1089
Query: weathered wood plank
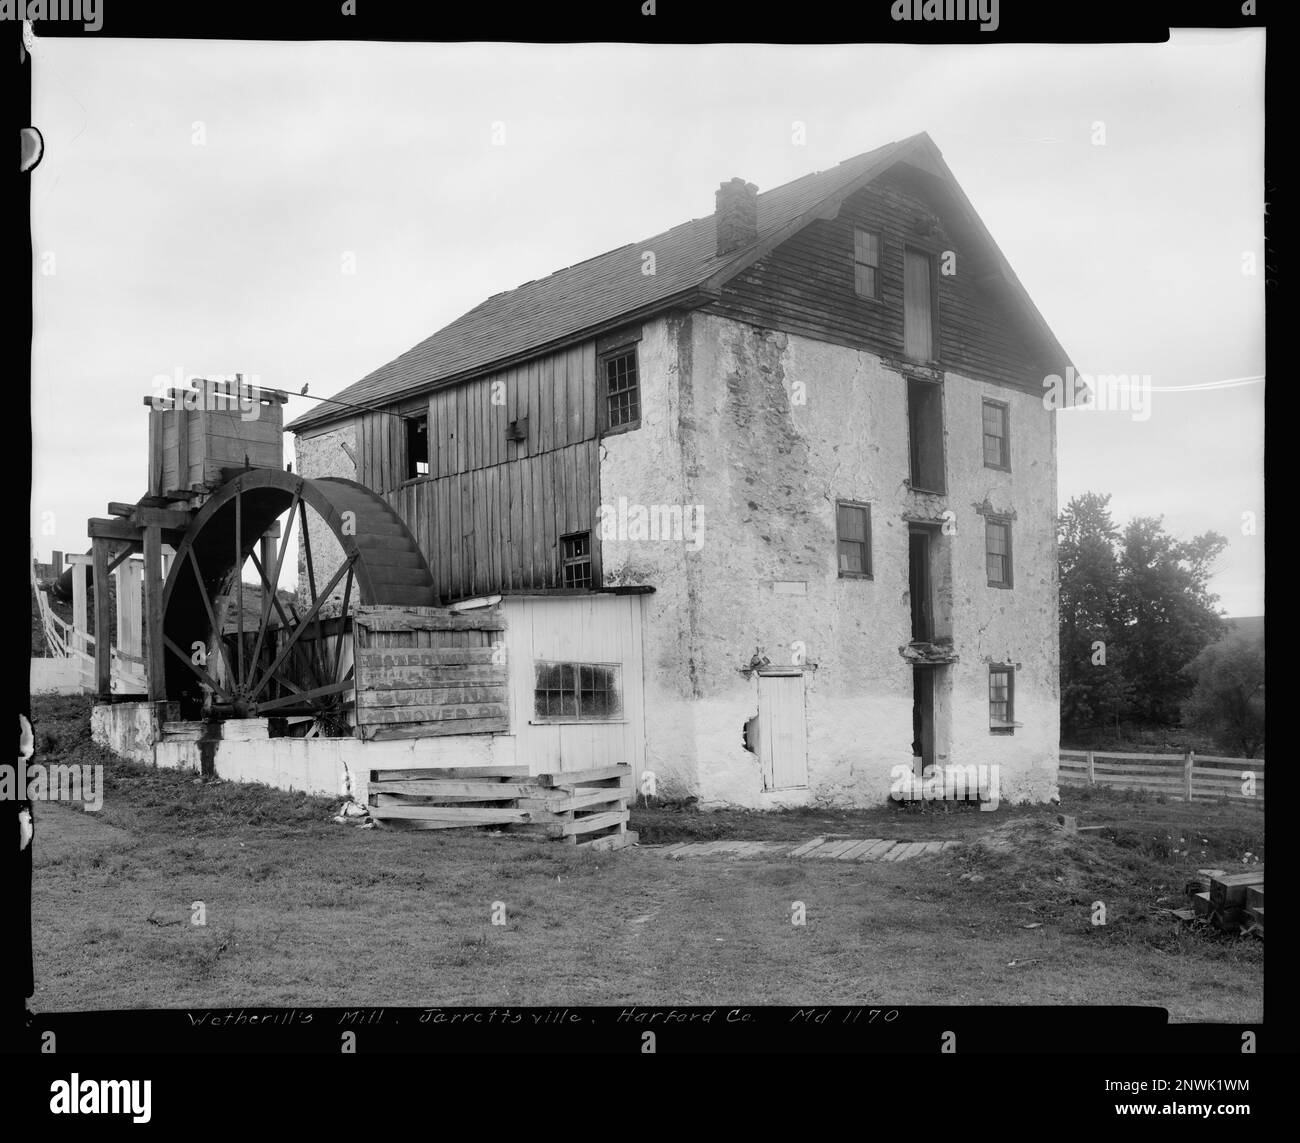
376,732
484,789
577,777
430,714
435,696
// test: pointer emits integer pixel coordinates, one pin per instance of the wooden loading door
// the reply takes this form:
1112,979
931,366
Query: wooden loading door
782,732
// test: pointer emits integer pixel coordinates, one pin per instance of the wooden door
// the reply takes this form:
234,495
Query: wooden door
782,731
918,310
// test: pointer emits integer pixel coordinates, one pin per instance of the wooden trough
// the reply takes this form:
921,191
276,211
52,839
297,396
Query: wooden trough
581,807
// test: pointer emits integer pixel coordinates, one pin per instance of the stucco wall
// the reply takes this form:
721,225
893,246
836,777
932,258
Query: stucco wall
762,433
328,453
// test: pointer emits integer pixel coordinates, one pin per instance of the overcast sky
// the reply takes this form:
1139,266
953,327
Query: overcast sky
197,201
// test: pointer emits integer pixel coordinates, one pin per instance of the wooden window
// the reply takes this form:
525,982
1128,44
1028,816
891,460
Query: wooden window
1002,697
918,305
622,390
575,560
997,548
925,434
853,538
417,447
577,692
997,436
866,263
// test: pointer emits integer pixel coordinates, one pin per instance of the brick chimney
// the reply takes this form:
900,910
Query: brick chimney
736,214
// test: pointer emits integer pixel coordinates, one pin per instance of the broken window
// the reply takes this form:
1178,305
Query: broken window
997,442
866,263
577,692
925,434
918,583
417,447
622,390
1002,690
853,536
997,547
575,560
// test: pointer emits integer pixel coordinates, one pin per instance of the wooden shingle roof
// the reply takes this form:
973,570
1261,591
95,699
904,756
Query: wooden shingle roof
597,293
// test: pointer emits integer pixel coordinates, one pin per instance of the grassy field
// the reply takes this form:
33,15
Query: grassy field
302,911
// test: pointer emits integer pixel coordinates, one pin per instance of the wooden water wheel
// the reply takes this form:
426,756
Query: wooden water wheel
282,657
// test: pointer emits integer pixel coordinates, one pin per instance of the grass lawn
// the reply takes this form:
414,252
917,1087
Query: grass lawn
302,911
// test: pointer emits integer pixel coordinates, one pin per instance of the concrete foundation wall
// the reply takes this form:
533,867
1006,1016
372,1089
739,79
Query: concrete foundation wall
244,753
759,433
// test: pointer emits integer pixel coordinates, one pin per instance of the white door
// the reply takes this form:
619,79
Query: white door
782,731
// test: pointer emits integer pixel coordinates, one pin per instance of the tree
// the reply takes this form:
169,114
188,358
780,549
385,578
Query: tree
1166,612
1227,698
1094,687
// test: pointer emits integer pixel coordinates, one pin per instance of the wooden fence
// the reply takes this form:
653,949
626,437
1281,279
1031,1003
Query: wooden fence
1182,776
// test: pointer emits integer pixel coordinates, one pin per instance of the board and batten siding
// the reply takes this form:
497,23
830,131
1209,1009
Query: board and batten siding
806,286
585,629
490,514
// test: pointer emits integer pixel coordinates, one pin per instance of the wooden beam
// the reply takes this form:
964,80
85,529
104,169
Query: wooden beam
127,532
129,614
103,649
153,614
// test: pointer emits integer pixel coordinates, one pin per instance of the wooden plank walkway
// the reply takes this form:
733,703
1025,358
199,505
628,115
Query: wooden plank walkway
827,849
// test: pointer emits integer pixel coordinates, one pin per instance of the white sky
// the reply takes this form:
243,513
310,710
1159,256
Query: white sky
225,257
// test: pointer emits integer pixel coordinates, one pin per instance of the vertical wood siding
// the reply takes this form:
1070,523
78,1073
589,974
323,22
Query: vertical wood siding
490,515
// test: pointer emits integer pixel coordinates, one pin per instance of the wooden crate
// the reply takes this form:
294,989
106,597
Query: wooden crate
578,808
213,426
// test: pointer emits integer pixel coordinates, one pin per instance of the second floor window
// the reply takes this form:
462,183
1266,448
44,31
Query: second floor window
575,558
622,390
853,539
417,447
997,547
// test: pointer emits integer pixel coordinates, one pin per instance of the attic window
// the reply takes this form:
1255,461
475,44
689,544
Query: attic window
417,447
866,263
622,390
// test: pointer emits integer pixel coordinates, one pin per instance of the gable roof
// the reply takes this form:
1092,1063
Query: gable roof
610,288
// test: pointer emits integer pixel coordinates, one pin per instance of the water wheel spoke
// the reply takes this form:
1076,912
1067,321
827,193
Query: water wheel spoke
297,632
207,607
304,696
269,585
193,666
239,583
343,623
